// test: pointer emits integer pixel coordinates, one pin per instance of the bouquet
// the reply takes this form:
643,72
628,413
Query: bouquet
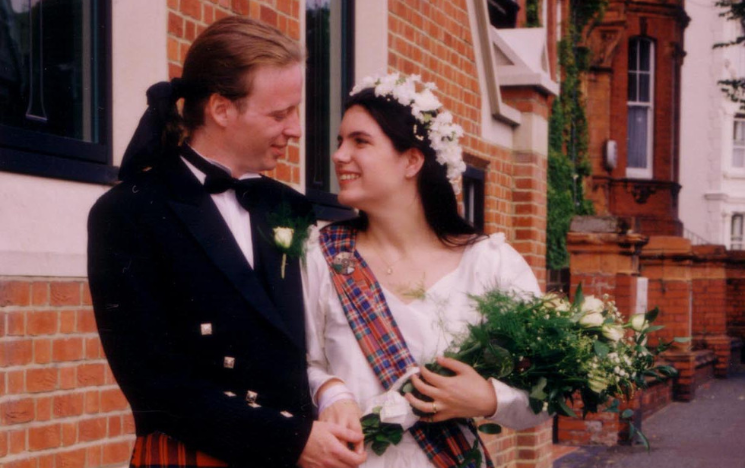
553,349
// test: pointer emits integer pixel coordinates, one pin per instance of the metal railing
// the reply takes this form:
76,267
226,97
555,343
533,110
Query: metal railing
695,238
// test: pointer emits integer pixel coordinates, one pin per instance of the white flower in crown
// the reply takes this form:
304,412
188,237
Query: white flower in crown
442,133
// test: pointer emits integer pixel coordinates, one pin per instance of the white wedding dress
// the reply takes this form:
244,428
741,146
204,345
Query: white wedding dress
429,323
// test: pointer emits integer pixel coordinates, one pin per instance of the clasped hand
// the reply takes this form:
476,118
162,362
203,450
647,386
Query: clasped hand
463,395
336,440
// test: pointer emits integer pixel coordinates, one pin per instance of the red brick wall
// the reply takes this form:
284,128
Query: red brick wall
59,404
736,294
709,303
663,22
674,300
434,39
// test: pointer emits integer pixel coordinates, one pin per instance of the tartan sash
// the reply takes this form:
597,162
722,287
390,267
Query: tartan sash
157,450
383,344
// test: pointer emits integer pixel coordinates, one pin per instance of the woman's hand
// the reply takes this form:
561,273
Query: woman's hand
464,395
344,412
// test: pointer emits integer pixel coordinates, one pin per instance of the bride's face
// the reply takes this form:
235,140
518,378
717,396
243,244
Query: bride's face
370,171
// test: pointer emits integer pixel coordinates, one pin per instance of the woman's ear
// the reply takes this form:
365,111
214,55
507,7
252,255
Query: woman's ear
219,109
414,162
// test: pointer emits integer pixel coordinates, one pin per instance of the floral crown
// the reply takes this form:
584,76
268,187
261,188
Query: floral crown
442,133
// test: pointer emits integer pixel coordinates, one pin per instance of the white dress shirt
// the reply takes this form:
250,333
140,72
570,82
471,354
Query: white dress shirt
236,217
429,324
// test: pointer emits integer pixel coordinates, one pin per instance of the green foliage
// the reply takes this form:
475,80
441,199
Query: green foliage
568,163
734,89
532,13
554,350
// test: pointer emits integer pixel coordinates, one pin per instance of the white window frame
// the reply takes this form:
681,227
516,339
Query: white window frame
643,172
738,144
736,238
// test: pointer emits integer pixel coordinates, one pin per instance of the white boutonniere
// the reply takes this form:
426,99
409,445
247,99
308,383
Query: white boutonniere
283,240
289,233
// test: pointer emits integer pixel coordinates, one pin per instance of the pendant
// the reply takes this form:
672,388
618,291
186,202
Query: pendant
389,271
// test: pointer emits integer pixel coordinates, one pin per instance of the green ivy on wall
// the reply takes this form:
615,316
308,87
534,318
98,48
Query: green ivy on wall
532,15
568,164
733,88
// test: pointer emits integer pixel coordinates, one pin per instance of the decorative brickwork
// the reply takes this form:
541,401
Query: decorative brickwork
59,403
653,201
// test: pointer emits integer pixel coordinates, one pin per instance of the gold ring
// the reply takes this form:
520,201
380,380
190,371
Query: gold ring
434,408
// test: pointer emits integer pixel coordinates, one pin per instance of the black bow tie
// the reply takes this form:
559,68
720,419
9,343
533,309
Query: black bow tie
247,191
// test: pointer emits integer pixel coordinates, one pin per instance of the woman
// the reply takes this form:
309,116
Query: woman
391,288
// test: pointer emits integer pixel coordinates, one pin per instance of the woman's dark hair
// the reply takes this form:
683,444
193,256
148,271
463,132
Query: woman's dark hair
437,195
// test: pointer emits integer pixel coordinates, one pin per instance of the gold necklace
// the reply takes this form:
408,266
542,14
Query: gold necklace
389,266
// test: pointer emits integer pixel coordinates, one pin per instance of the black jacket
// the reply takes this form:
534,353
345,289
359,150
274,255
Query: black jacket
190,329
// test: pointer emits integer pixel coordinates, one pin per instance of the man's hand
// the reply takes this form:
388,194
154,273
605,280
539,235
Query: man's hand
345,413
327,447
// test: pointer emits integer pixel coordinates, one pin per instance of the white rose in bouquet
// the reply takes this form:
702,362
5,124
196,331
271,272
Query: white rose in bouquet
612,332
597,383
592,304
594,319
638,322
556,302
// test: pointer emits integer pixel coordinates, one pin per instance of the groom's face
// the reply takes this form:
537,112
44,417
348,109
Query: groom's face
268,119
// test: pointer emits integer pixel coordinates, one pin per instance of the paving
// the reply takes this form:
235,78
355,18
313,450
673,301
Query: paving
708,432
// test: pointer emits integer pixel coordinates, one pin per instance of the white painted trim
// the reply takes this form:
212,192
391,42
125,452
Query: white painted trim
370,38
44,230
138,60
499,132
524,58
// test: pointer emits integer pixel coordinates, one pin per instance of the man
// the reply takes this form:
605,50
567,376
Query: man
199,309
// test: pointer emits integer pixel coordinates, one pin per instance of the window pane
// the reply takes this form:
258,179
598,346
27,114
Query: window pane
633,53
330,43
644,87
47,68
645,47
503,13
318,16
739,134
638,121
736,232
633,82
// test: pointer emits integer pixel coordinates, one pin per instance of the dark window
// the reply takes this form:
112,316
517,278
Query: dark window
473,197
503,13
55,89
330,77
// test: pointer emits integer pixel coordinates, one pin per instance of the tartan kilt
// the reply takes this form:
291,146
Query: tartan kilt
158,450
